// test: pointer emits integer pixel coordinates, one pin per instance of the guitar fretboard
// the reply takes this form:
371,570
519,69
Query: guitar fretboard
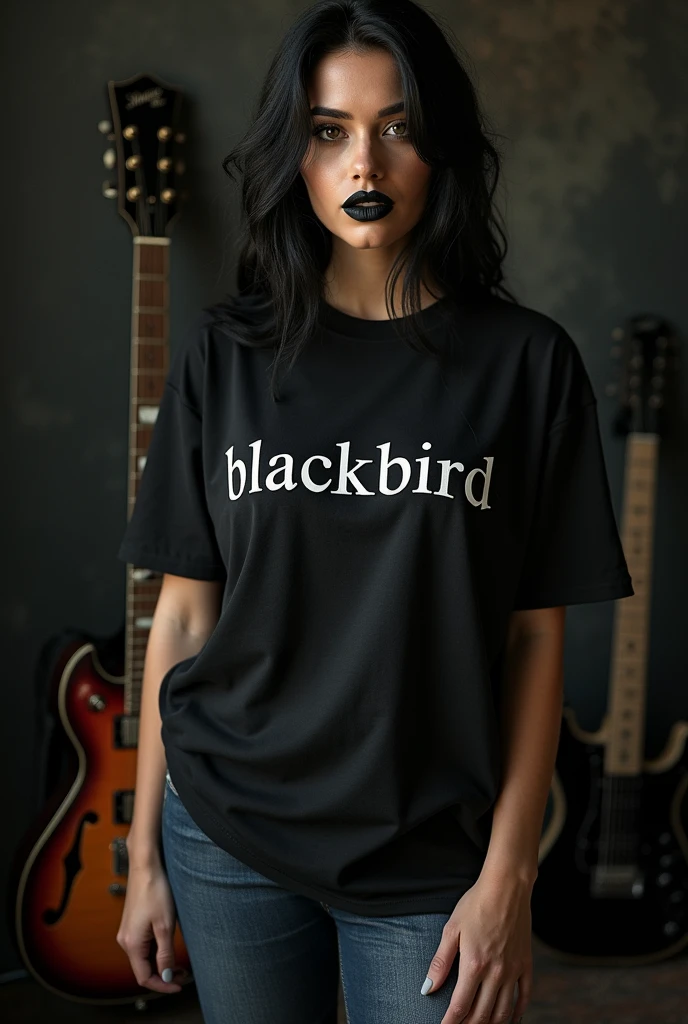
624,752
149,367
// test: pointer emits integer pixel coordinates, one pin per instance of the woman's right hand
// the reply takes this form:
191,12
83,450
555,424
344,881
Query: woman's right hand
149,913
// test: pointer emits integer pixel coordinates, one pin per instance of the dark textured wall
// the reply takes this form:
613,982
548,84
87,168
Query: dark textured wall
590,96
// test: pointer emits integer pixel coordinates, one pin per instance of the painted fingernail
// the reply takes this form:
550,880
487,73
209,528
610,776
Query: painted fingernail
167,974
427,985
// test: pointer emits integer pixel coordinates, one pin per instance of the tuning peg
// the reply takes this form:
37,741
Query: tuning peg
109,190
105,127
617,333
109,158
167,195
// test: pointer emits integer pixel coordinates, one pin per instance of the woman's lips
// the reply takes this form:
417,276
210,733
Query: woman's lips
373,212
367,206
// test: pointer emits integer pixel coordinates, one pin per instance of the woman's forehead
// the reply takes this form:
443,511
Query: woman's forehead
355,83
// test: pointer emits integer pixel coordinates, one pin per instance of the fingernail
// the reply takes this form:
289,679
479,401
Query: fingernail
427,985
167,974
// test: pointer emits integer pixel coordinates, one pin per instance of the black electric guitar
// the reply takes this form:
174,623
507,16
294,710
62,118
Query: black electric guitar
612,885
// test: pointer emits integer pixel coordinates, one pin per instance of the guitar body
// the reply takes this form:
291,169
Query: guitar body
71,890
641,914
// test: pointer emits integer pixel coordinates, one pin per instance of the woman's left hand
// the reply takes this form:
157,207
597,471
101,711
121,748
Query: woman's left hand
490,930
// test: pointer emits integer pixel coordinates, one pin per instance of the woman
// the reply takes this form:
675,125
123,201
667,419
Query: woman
374,484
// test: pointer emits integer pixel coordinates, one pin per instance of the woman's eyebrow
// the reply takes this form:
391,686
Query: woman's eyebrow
394,108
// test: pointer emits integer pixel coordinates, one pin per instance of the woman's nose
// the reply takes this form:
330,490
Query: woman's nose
366,162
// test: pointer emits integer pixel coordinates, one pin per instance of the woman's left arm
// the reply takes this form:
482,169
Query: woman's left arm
532,703
491,926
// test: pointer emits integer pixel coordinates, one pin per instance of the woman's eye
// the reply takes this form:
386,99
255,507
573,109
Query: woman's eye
326,128
318,131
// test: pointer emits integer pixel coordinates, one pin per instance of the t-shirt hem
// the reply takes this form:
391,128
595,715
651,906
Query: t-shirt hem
227,840
159,561
579,595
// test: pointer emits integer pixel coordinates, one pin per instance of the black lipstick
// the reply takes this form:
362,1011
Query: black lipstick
383,205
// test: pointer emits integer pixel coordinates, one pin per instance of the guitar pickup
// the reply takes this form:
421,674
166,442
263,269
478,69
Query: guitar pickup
120,856
125,732
617,881
123,806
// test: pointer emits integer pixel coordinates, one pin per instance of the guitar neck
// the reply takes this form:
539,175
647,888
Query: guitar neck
149,367
624,754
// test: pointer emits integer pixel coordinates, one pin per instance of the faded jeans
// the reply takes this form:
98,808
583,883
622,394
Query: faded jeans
261,954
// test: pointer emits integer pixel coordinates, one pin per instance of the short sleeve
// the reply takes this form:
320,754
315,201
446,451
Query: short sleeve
170,529
574,552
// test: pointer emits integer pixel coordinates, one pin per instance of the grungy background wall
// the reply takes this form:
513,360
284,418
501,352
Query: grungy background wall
589,98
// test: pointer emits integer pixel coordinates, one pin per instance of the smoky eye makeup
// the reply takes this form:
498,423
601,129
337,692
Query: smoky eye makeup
318,128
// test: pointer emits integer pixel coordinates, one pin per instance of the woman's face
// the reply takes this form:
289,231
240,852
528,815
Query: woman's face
361,145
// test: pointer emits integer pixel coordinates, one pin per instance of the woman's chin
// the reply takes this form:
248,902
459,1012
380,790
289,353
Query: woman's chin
368,236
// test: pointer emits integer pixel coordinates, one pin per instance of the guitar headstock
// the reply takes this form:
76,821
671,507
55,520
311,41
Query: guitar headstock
647,349
147,153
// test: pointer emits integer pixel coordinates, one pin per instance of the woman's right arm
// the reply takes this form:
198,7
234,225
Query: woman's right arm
186,614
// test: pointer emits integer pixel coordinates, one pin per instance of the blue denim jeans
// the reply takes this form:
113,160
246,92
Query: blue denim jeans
261,954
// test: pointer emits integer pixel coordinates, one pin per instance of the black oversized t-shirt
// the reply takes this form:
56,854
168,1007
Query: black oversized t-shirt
338,731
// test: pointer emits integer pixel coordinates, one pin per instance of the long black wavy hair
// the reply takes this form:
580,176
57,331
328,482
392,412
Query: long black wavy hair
285,249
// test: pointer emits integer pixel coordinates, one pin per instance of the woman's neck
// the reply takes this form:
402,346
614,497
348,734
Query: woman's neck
355,282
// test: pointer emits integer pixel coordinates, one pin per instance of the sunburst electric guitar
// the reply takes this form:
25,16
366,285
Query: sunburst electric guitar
70,890
612,885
